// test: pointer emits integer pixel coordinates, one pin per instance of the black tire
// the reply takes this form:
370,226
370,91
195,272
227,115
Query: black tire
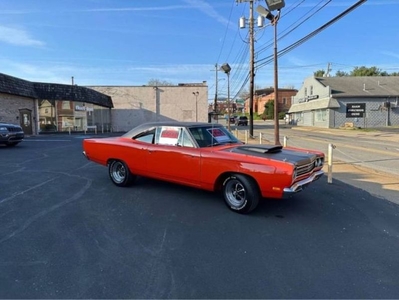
241,193
120,174
11,144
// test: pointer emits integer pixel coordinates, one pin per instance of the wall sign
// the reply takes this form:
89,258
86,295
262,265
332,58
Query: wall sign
355,110
308,98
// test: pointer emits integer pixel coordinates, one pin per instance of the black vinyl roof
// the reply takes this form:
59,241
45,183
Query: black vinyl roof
52,91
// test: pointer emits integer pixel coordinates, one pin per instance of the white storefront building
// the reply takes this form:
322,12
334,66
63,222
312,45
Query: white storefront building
333,102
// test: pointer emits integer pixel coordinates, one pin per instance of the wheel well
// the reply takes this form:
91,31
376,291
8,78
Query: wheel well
219,181
110,160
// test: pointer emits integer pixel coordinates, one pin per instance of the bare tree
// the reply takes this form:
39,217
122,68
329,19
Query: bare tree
158,82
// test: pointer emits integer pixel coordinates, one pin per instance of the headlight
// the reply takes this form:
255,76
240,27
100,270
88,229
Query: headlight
319,162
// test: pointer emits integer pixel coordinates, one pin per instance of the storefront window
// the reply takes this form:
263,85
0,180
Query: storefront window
321,115
73,116
47,118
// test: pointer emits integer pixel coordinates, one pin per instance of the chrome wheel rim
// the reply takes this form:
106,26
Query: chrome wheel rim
118,172
235,193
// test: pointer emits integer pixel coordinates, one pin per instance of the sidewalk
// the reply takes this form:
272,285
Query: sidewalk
386,133
375,182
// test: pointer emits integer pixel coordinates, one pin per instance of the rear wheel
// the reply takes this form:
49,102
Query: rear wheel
241,193
11,144
120,174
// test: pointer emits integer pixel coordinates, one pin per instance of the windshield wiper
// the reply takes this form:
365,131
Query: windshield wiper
219,143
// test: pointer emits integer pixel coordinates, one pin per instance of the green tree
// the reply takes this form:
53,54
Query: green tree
268,113
364,71
359,71
341,74
319,73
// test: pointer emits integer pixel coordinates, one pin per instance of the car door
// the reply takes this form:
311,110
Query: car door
137,153
174,156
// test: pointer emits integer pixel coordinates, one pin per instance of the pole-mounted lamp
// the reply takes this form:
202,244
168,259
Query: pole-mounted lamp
226,68
274,5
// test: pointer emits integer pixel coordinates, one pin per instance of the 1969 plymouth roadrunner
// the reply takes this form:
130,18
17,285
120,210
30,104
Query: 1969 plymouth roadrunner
209,157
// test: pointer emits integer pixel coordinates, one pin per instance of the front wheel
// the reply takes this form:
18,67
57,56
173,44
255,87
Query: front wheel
241,193
120,174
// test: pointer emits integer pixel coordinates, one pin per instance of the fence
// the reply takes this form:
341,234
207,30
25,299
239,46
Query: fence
261,137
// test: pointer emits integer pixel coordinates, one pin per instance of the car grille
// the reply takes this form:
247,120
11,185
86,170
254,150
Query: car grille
306,168
14,129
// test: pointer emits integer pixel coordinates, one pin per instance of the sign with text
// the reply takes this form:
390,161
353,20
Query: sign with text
355,110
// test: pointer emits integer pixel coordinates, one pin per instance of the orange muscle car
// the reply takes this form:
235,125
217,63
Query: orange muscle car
209,157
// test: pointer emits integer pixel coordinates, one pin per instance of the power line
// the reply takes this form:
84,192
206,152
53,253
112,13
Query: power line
302,22
269,59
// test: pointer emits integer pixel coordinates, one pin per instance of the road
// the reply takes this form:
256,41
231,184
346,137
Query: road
67,232
377,150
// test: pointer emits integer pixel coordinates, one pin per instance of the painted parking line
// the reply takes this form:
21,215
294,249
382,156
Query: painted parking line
28,140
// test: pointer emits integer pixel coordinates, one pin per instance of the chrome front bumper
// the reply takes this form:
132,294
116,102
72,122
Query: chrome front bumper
300,185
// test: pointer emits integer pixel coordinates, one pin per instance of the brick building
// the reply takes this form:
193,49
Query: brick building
48,107
262,96
51,107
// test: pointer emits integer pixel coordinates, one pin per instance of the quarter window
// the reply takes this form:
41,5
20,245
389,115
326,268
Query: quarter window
184,139
146,137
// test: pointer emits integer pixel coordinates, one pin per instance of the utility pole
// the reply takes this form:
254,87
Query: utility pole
251,68
327,74
215,104
276,94
251,64
274,5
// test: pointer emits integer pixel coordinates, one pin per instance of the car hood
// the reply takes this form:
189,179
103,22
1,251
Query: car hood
10,125
274,152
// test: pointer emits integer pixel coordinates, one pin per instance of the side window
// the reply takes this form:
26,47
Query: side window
184,139
146,137
168,135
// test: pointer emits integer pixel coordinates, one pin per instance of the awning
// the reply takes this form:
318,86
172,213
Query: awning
314,104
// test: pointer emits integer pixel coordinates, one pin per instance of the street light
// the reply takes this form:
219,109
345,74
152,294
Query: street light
274,5
196,105
226,68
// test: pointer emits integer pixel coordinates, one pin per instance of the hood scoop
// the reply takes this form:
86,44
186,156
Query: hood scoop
252,149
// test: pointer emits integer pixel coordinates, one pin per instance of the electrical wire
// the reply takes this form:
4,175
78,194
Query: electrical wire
270,58
270,44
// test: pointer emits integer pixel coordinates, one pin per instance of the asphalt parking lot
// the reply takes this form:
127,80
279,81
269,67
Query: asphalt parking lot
67,232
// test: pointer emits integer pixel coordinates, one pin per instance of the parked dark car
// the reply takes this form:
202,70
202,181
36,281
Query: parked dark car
10,134
241,120
233,119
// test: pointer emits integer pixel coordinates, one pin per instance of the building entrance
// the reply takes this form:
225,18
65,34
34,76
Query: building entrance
25,120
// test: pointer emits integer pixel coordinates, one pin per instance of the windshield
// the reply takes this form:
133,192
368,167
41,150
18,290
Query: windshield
207,136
